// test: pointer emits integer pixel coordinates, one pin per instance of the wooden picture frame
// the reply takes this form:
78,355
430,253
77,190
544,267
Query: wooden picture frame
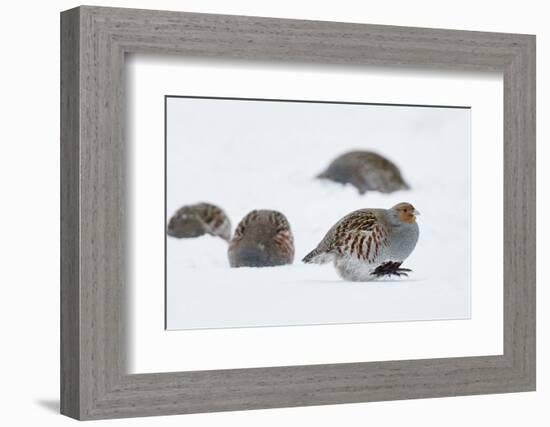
94,380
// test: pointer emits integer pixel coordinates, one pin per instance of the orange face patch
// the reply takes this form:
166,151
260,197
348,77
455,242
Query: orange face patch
406,212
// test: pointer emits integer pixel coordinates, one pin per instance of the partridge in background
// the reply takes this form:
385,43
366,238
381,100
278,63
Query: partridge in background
369,243
198,219
262,238
366,171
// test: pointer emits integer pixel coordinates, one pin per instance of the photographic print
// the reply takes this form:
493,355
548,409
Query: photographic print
300,212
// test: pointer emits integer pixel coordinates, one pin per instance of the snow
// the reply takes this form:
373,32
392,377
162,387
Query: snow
244,155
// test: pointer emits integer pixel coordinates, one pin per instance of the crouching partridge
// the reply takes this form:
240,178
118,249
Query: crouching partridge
369,243
263,238
198,219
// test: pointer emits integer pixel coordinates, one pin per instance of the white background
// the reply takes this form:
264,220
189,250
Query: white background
29,215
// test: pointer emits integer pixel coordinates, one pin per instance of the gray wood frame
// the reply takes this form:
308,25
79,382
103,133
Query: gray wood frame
94,382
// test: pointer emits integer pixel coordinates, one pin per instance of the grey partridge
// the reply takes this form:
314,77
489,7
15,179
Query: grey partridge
369,243
262,238
199,219
366,171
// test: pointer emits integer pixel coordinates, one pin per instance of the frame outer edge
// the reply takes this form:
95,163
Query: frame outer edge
532,136
520,215
91,366
70,390
527,75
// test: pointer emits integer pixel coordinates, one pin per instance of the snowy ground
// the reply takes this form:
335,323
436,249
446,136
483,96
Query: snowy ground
244,155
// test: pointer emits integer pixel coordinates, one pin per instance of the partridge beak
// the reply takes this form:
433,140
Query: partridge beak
416,213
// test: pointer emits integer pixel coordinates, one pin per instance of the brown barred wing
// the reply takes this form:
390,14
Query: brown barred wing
262,238
283,238
364,242
216,222
358,234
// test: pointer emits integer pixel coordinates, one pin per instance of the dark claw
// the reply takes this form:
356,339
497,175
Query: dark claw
391,268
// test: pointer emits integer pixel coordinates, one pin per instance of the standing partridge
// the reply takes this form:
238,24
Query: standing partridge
369,243
366,171
262,238
198,219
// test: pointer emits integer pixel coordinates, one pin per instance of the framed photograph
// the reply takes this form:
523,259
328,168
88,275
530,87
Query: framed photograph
262,213
290,170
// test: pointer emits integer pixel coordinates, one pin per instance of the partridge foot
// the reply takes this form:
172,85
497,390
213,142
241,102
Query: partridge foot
391,268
